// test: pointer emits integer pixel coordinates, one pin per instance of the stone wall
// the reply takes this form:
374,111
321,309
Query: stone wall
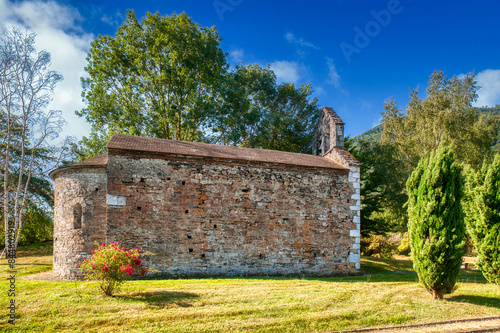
79,217
208,218
343,157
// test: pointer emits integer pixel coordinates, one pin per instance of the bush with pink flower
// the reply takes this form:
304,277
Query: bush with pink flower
111,265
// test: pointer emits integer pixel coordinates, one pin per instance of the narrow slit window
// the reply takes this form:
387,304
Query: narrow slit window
77,216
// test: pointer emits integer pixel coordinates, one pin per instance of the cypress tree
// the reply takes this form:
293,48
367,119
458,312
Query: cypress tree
482,207
436,221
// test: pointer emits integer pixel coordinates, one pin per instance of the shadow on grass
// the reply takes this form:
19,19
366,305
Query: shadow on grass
373,270
161,299
477,300
471,276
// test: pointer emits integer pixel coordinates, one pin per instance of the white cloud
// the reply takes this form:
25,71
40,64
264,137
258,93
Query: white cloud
290,37
286,71
489,93
333,75
237,55
109,20
377,122
113,20
58,32
319,90
39,15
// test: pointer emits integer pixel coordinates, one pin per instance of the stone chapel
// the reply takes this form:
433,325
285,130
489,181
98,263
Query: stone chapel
212,210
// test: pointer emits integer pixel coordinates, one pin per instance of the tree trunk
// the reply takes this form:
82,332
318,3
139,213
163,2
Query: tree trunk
436,294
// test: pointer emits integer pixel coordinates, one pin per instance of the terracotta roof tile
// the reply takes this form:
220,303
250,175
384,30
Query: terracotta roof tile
162,146
97,161
94,161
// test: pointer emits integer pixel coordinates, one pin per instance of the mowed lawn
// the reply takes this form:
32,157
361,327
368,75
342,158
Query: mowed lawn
389,295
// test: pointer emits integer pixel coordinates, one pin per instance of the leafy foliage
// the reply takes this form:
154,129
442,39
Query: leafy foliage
445,114
482,208
436,223
377,245
38,225
382,187
391,151
257,112
111,265
167,77
491,114
160,77
247,92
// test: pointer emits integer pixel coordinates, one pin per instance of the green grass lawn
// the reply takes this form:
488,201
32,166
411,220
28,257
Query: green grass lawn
389,295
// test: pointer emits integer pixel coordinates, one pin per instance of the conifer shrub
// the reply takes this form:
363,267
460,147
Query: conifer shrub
436,222
482,208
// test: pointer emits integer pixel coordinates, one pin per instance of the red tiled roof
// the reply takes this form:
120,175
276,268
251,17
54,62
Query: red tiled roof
94,161
97,161
162,146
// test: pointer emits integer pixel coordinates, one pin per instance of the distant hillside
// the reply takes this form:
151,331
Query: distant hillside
494,111
375,133
372,135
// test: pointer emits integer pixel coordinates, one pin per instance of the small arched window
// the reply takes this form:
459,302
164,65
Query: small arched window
77,216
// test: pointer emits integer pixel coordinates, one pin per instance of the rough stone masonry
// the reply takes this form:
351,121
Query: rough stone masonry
210,210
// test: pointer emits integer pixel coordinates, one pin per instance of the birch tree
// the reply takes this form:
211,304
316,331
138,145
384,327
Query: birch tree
28,128
446,113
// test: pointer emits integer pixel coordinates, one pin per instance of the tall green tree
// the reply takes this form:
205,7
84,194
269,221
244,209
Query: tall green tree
382,187
248,90
167,77
257,112
436,221
160,77
445,113
482,208
289,121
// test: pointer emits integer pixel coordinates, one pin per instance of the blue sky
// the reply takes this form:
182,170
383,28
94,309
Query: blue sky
355,54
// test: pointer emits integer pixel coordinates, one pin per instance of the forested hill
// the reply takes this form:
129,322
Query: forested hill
375,133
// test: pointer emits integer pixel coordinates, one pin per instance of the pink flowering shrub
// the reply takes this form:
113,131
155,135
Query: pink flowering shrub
111,265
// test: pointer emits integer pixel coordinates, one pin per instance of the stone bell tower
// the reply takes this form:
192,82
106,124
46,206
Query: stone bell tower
329,133
328,142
